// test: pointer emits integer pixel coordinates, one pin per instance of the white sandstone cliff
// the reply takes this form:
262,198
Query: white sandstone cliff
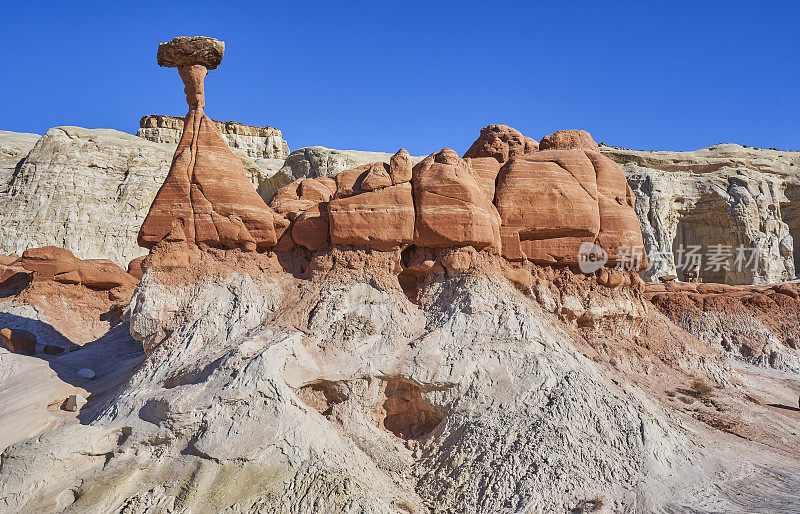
726,195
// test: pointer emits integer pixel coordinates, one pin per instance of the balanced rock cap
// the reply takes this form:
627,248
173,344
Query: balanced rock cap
189,50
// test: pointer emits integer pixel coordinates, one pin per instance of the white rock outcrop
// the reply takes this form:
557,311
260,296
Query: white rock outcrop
255,142
726,195
14,146
87,190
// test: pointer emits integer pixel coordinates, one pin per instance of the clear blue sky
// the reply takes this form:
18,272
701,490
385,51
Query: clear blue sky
420,75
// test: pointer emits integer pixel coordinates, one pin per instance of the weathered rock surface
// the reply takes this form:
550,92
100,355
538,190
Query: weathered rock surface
567,140
351,404
191,50
552,201
451,207
74,403
14,146
381,219
51,263
206,199
350,395
719,199
255,142
756,324
206,196
84,190
89,190
495,145
62,300
318,161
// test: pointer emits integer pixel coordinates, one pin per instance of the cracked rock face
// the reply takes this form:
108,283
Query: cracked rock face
725,195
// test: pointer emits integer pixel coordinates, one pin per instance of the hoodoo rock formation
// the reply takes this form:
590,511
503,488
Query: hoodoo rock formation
549,202
197,203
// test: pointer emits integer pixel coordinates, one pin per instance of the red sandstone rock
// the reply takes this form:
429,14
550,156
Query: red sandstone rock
11,272
620,232
59,265
50,263
568,139
136,267
495,145
348,183
293,199
8,260
381,219
18,341
501,142
377,176
550,199
189,50
451,207
103,274
555,200
310,230
400,167
206,193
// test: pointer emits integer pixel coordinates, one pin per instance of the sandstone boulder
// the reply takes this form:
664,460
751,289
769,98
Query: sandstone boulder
549,198
310,230
495,145
568,139
60,265
302,194
18,341
451,207
555,200
136,268
382,219
74,403
501,142
191,50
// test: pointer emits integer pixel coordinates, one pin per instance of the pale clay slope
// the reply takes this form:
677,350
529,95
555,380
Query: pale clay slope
214,418
726,194
218,417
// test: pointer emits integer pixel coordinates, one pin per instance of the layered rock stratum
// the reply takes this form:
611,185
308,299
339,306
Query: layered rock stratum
255,142
726,195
